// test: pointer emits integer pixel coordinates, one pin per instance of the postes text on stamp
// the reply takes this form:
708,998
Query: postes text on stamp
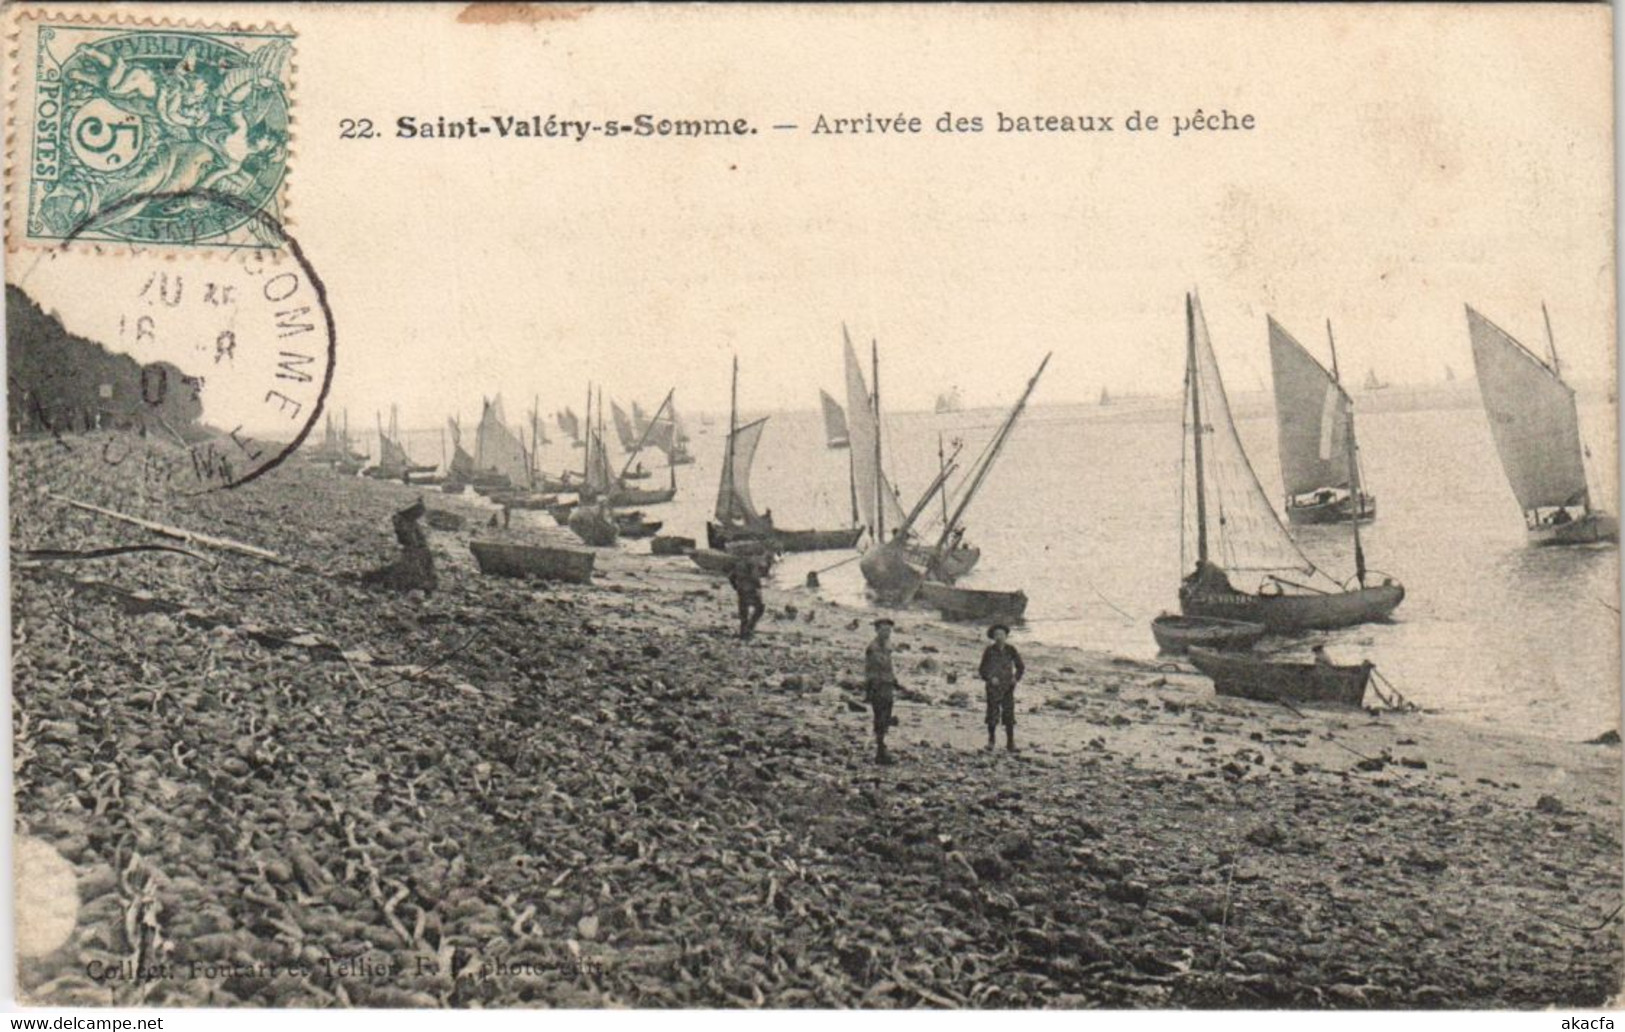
178,114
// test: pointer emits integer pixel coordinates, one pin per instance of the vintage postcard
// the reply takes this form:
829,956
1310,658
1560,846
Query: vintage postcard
1103,506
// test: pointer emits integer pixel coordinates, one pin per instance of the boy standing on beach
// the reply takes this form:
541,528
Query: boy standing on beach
1001,669
880,684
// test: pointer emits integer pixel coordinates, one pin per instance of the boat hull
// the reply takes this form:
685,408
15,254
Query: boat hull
629,496
1295,612
1177,634
509,560
973,604
1248,677
1591,528
1338,510
713,560
896,571
720,535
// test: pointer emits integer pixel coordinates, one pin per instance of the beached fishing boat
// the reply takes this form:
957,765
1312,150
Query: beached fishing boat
1175,634
513,560
1536,426
736,516
956,603
835,433
633,525
896,558
595,525
671,544
1264,680
893,569
1314,423
714,560
1234,528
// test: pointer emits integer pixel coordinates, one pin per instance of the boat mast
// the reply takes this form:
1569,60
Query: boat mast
728,448
1191,374
586,453
646,430
986,465
880,477
1356,494
1551,342
942,464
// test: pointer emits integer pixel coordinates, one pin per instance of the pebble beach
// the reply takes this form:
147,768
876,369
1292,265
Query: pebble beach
275,786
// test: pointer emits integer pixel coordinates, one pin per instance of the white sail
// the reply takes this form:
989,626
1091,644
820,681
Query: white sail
1311,418
496,448
1243,530
1532,418
863,431
733,493
600,477
835,433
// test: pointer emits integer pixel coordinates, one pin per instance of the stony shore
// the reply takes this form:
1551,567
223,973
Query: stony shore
275,786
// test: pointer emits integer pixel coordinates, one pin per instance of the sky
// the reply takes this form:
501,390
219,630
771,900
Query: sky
1406,161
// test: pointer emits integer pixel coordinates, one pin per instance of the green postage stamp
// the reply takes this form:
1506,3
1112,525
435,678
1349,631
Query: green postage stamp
150,135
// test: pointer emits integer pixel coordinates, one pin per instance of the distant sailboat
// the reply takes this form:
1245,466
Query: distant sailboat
665,432
950,402
1105,396
500,457
1449,374
1314,420
336,449
623,427
835,432
736,516
1536,426
599,479
1372,383
570,423
1234,528
393,461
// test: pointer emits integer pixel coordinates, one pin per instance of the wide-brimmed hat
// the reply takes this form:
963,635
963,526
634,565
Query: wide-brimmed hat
885,621
998,627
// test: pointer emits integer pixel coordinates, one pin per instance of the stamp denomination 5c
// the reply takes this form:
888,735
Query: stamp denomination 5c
109,111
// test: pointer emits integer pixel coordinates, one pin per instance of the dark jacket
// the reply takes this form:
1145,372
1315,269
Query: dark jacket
1001,664
877,668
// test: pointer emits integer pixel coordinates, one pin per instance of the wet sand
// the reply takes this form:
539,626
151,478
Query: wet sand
276,786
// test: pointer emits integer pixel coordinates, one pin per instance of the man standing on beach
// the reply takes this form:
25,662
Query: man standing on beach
880,684
747,583
1001,669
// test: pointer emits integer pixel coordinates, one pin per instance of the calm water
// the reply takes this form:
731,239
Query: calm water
1082,513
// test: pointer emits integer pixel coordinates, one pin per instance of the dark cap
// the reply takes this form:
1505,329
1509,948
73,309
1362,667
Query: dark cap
885,621
998,627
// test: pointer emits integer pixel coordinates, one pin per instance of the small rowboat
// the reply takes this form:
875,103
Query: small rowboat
670,545
713,561
633,525
510,560
1249,677
973,604
1175,634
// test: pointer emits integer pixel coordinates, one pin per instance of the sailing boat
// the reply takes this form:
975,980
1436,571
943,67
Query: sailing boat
336,450
891,564
1318,460
736,515
1105,397
1372,383
1536,427
957,603
664,432
950,402
462,469
1449,374
1236,529
599,481
570,423
623,427
393,461
835,433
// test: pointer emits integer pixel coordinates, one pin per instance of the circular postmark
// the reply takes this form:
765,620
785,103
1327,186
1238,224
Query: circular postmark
182,376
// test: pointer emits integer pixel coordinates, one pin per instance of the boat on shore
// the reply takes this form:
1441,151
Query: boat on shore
713,560
1239,524
507,559
595,525
393,461
956,603
1176,634
1535,422
600,482
1266,680
736,517
1314,421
